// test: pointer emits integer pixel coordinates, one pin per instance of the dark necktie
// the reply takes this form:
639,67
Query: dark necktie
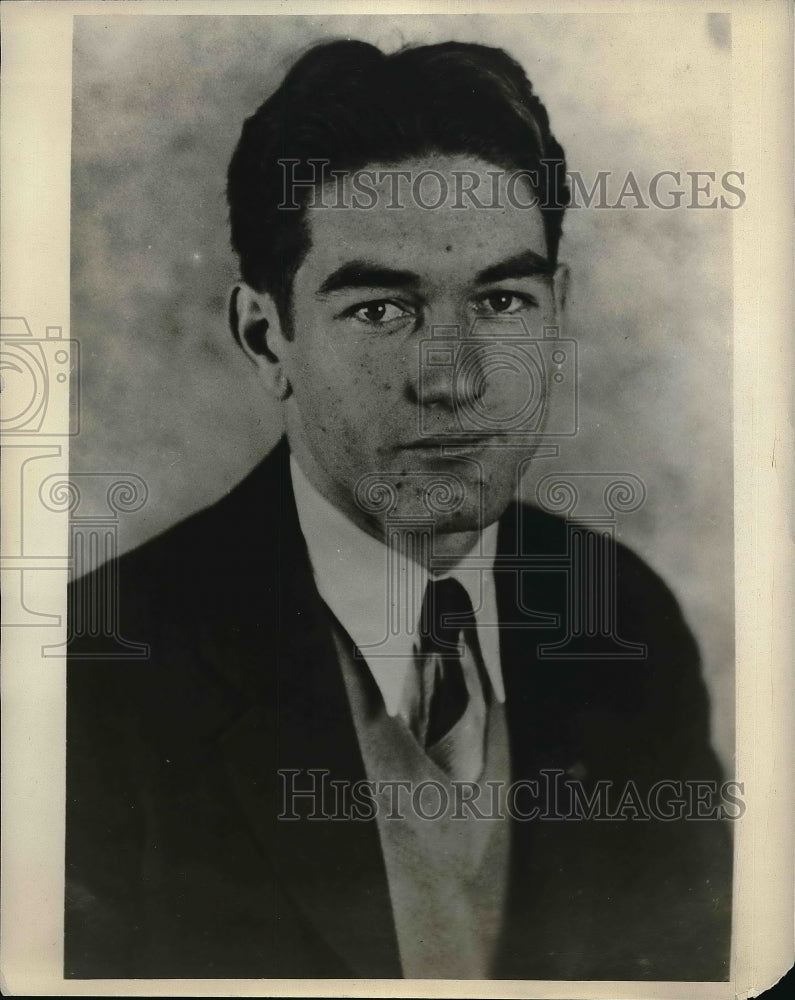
446,613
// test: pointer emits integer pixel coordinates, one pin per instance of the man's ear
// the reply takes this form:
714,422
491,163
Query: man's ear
561,289
255,325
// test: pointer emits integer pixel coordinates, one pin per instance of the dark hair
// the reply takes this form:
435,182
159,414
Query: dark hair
348,103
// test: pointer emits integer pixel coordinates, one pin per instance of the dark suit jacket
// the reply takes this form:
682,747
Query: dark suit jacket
176,864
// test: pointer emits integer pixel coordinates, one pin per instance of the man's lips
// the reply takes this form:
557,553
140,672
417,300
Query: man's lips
448,441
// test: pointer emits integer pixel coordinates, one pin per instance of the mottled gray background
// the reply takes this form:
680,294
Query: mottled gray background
158,105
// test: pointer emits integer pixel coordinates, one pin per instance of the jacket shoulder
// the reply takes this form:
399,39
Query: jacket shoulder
197,556
534,532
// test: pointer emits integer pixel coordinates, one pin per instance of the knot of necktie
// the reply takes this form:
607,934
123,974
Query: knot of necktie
446,611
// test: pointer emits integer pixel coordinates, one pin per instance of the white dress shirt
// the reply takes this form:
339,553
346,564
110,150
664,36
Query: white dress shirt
352,570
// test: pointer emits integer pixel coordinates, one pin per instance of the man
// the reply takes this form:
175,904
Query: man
370,613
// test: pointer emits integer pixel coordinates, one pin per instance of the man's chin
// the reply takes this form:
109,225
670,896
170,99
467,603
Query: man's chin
449,517
451,497
475,519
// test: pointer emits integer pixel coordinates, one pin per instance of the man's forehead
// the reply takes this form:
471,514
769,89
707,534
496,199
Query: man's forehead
395,213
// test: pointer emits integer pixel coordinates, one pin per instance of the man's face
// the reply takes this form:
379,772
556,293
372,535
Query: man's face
372,403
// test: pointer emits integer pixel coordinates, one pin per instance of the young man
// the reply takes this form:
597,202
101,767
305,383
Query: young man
373,737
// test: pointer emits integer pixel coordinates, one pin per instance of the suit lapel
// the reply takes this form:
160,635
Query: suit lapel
298,734
517,658
534,600
549,914
522,955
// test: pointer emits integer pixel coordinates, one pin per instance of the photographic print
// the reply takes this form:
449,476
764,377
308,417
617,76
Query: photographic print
389,448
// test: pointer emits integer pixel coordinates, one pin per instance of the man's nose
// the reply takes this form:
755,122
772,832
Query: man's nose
445,341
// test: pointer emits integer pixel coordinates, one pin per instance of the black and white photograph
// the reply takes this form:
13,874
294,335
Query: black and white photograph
391,445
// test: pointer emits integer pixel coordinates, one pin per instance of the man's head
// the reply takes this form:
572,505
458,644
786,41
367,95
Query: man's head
339,293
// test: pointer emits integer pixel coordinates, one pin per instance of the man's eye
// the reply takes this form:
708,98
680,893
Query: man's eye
378,313
503,303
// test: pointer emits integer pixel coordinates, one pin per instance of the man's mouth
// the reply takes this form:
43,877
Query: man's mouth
449,441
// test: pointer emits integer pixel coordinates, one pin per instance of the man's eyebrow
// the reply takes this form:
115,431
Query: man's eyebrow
524,265
362,274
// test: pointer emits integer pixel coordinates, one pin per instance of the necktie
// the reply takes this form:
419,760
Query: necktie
452,707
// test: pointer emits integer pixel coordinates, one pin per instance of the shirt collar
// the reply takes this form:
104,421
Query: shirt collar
351,570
